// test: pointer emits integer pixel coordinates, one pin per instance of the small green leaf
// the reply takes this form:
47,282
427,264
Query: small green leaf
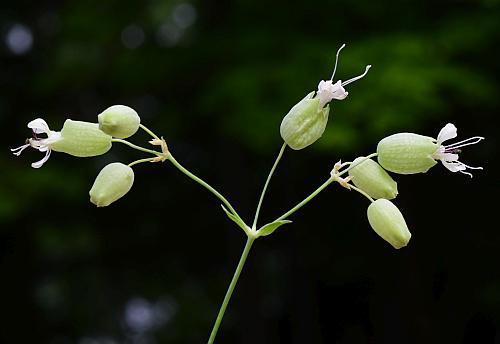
271,227
235,218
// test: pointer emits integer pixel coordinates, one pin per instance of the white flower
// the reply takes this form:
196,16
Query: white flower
39,126
448,154
328,90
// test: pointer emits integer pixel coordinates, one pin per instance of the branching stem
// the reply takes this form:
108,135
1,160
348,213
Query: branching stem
250,232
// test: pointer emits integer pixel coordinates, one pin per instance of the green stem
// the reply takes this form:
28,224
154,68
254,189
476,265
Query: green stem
203,183
324,185
361,192
140,161
278,158
351,165
143,127
137,147
230,289
305,201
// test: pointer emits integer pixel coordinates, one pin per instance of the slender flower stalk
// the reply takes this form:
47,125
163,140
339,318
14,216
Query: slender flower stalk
321,188
143,127
306,200
203,183
278,158
177,165
140,161
142,149
361,192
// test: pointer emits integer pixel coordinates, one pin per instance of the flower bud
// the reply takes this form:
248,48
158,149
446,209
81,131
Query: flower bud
112,183
119,121
304,123
388,222
407,153
82,139
373,179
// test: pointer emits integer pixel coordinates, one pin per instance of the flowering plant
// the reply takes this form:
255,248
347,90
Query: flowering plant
402,153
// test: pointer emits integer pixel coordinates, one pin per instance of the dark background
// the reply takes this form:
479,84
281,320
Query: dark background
215,78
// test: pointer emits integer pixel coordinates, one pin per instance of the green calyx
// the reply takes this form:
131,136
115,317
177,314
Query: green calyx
112,183
370,177
407,153
304,123
82,139
388,222
119,121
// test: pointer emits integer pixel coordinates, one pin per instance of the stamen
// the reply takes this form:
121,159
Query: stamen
336,61
472,168
39,164
467,167
467,173
463,143
17,151
357,77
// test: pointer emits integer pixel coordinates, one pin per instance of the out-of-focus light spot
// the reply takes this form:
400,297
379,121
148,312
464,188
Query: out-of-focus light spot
133,36
139,315
19,39
169,34
184,15
143,316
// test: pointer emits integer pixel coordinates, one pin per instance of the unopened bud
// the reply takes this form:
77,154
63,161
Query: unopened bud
373,179
407,153
119,121
305,122
112,183
388,222
82,139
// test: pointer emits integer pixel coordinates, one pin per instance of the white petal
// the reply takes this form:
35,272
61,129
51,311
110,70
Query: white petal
340,94
454,166
17,151
39,164
327,91
39,145
448,132
448,157
325,88
39,126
